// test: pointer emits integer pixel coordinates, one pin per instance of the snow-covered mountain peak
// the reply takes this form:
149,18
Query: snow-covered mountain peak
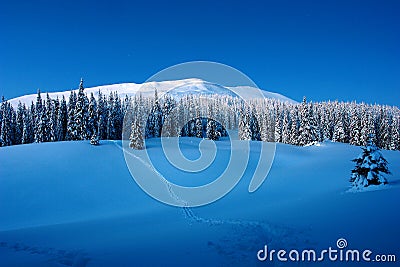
176,88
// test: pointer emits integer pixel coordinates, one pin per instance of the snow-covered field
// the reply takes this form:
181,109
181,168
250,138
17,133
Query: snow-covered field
73,204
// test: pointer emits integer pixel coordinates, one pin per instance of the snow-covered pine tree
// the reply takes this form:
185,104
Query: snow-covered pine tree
331,110
19,127
125,105
191,128
395,134
370,127
235,113
2,106
339,134
55,111
6,127
378,115
42,133
32,110
199,127
363,124
370,166
270,122
110,117
51,114
62,119
313,123
244,124
101,117
346,122
355,126
91,128
384,130
39,102
27,130
119,117
318,112
192,115
278,124
136,139
294,129
168,106
324,124
198,122
81,113
114,118
155,118
180,117
127,117
227,113
307,130
37,114
13,125
212,132
286,126
169,129
254,126
71,123
94,140
367,125
264,127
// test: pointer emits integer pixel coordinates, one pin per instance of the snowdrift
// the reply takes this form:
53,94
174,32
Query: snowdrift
73,204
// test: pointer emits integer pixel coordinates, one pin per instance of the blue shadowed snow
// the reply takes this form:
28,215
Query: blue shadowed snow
73,204
190,149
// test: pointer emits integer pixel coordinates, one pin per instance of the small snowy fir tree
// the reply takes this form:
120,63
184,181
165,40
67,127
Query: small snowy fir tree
212,133
370,165
94,140
244,124
199,128
136,138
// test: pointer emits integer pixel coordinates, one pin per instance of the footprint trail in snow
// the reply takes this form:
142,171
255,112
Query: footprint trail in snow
242,238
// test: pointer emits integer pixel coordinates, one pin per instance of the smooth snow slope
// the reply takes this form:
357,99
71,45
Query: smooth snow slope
181,87
73,204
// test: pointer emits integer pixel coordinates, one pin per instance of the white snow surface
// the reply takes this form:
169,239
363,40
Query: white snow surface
177,88
73,204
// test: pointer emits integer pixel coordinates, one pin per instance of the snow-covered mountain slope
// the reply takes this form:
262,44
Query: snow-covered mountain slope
73,204
176,88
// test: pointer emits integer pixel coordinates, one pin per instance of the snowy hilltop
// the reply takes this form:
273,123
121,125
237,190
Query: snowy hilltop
180,88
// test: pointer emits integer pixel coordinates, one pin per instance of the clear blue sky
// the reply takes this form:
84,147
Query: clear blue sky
326,50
